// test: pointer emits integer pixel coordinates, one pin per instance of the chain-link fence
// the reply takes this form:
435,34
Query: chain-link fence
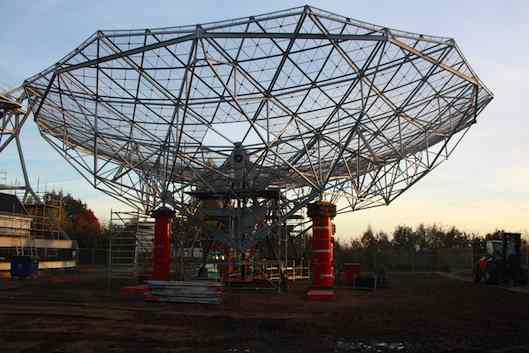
93,256
453,259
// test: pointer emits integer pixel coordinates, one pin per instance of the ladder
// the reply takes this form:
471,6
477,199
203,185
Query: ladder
130,247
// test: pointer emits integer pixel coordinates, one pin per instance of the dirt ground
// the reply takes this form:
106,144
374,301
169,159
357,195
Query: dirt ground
84,312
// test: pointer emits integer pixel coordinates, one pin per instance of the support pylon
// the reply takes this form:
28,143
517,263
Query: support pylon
161,257
322,264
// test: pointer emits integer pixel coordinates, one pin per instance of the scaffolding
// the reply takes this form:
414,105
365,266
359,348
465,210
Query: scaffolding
131,242
195,255
47,213
33,229
220,248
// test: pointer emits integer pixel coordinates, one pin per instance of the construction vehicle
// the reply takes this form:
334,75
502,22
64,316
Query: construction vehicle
500,260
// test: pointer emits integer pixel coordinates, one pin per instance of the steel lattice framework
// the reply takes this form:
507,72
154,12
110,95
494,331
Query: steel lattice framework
12,120
322,105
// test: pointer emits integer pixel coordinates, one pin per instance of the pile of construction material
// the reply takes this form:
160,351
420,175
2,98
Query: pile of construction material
352,276
203,292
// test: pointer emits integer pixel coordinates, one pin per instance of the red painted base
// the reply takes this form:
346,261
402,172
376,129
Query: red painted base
321,294
133,290
151,298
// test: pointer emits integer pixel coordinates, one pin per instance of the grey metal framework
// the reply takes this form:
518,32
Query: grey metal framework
13,116
308,102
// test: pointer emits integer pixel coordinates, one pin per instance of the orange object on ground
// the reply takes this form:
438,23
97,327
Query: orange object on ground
351,270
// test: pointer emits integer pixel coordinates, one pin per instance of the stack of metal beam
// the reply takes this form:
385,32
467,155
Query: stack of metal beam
204,292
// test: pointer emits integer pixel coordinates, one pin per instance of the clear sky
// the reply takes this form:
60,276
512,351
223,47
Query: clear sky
485,184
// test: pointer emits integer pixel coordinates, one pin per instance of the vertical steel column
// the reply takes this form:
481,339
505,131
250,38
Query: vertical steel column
161,257
322,264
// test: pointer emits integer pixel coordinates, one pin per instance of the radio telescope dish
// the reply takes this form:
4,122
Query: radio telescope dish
304,102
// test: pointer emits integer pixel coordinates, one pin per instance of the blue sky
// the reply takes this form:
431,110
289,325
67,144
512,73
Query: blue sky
483,186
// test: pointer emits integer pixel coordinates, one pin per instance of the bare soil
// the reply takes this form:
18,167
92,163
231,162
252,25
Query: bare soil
84,312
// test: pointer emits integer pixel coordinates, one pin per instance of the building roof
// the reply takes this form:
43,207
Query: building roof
11,204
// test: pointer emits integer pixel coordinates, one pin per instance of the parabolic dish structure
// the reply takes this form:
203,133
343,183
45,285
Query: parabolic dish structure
304,102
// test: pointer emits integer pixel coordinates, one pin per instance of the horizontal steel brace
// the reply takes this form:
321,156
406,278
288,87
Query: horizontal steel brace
284,35
434,61
201,34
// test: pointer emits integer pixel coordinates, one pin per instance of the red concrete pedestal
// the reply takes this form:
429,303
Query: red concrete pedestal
161,255
322,264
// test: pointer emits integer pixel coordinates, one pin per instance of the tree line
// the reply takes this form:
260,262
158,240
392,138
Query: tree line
422,239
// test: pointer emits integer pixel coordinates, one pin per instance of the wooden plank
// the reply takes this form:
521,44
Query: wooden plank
173,284
150,298
164,293
43,265
12,242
